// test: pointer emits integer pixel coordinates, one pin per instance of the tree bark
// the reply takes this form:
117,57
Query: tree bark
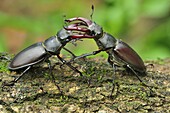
35,91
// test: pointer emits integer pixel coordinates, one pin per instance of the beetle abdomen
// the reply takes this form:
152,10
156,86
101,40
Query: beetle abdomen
29,56
129,56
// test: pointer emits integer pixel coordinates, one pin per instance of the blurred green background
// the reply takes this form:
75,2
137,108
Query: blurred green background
143,24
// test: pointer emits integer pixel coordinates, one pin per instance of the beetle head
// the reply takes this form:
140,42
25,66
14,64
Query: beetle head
95,30
64,36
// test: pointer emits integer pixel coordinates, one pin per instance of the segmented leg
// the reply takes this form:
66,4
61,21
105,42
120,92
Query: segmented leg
69,52
53,78
16,79
69,65
88,54
114,73
137,76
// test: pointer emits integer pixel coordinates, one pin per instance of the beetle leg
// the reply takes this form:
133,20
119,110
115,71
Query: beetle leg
88,54
53,78
140,79
72,59
16,79
74,56
114,72
69,65
81,56
136,75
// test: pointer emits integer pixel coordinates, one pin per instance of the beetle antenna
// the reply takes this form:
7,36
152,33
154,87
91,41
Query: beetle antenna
64,18
91,15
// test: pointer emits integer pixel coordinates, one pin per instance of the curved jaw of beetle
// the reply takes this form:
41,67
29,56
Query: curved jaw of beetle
85,28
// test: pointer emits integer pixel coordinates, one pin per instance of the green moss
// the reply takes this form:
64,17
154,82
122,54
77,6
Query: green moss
4,61
3,67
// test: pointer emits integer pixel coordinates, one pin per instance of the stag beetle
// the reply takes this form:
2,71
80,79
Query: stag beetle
41,51
120,54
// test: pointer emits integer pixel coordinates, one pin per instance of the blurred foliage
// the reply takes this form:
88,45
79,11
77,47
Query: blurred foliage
143,24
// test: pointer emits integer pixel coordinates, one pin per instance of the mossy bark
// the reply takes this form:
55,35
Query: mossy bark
36,92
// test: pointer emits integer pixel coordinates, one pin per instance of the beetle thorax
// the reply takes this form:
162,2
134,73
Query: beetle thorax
106,41
53,45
